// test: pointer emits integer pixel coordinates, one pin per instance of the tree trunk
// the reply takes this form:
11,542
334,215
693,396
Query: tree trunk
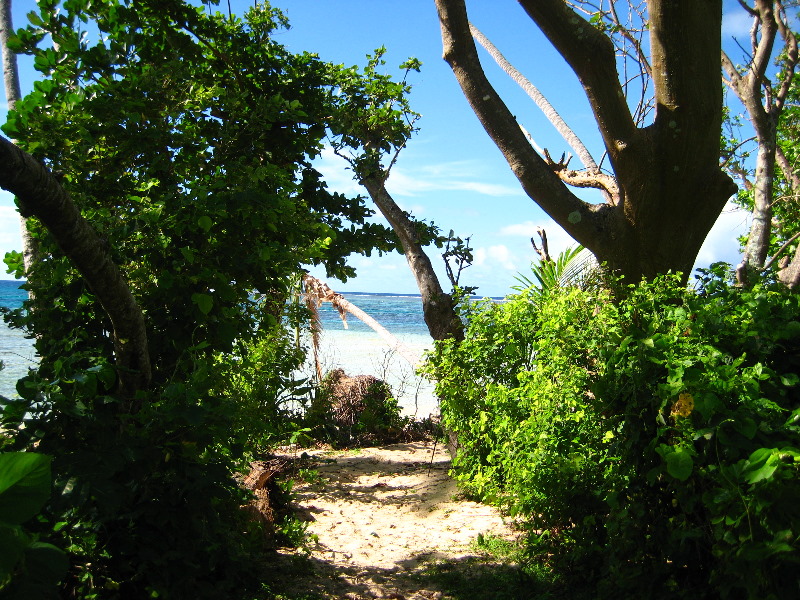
671,187
790,274
764,103
13,95
437,306
40,194
757,247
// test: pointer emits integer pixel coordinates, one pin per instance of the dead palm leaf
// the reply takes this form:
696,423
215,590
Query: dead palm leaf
316,292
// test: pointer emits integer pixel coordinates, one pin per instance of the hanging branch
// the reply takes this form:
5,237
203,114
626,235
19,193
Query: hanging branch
318,291
39,193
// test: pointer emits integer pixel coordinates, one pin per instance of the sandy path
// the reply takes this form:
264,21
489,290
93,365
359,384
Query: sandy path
381,515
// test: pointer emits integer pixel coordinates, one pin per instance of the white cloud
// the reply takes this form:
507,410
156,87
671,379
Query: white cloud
444,177
494,256
721,242
405,181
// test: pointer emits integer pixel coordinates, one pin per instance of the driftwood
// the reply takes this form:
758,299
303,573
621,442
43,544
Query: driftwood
265,505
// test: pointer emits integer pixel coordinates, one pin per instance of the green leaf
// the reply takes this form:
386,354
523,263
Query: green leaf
13,541
188,255
48,563
679,464
205,223
204,302
24,485
760,465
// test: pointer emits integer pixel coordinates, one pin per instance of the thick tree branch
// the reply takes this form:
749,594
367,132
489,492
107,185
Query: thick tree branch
762,50
591,55
39,194
688,94
791,59
579,218
437,306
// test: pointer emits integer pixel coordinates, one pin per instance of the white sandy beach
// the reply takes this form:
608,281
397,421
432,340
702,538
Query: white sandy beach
365,353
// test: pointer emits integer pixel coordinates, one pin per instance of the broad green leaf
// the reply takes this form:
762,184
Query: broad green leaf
13,542
24,485
760,465
188,254
205,223
204,302
679,464
48,563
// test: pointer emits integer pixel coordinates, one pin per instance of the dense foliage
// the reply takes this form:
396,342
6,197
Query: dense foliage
186,139
650,439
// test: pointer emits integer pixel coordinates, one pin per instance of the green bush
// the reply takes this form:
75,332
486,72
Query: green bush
650,442
29,568
269,396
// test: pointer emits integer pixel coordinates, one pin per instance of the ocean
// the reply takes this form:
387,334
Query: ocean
357,349
16,351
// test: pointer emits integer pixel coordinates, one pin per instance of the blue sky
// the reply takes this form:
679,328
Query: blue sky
451,173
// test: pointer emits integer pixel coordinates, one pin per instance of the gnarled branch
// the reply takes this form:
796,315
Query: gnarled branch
41,195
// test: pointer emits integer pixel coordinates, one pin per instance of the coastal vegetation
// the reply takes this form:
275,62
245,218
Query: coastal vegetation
647,434
644,432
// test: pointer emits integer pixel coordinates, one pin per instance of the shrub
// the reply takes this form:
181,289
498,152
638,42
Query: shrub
651,442
358,409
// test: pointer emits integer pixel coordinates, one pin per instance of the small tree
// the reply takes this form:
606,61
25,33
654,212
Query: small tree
372,124
765,102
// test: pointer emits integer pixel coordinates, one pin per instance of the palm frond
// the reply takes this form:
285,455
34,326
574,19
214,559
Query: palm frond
575,266
320,292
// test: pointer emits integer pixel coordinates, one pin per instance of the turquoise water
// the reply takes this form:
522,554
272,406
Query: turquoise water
16,352
356,349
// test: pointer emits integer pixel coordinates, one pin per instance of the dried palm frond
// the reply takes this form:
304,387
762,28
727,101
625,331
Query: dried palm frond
317,292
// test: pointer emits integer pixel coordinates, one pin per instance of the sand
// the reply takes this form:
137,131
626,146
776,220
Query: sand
380,517
365,353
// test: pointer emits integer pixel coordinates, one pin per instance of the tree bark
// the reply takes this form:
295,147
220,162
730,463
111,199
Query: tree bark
39,193
671,187
13,95
437,306
790,274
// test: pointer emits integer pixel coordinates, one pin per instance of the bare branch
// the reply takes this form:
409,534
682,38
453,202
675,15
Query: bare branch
780,251
585,179
533,92
536,178
544,251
